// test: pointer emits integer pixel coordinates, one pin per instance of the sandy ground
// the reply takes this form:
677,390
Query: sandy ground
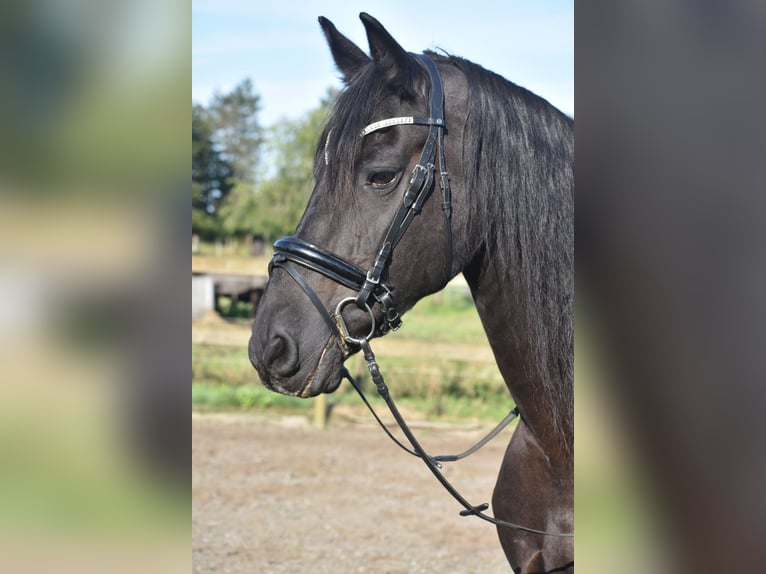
274,495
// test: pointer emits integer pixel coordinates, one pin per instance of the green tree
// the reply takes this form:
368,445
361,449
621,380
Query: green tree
275,207
238,213
211,175
236,130
226,141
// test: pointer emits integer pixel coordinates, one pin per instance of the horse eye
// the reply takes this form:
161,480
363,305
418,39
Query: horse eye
382,178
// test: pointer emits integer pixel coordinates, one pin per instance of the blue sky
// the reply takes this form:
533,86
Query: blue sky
280,46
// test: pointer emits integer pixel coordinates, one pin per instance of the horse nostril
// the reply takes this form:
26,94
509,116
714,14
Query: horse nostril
281,356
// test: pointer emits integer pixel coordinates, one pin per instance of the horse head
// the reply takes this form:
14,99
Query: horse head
371,160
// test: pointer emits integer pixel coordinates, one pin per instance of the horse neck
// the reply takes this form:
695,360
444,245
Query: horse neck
538,377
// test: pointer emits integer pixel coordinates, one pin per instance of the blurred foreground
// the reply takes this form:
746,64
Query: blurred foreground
671,277
94,451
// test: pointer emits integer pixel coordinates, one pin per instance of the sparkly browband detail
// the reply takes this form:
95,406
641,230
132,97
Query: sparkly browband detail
404,120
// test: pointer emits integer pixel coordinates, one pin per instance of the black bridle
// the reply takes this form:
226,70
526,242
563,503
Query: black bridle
371,287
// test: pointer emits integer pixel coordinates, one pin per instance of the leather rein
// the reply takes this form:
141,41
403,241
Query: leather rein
371,287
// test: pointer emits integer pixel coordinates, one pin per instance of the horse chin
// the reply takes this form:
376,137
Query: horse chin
326,376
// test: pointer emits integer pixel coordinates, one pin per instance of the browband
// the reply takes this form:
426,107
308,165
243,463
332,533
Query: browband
404,120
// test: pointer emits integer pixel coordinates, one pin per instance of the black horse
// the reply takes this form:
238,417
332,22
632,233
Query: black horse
376,237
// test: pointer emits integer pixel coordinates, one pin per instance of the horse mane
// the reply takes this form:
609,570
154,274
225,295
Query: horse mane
518,163
518,157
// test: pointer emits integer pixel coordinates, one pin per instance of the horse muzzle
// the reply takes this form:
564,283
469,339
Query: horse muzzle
289,366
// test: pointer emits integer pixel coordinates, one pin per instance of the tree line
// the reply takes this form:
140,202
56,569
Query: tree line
248,180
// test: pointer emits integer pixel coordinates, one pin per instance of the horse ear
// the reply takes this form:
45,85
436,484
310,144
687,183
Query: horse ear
394,60
348,56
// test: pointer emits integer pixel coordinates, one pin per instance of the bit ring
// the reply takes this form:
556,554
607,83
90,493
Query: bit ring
341,323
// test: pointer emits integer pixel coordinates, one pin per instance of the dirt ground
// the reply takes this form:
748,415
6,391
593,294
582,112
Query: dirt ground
275,495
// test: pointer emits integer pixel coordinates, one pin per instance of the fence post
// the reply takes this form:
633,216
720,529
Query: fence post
320,411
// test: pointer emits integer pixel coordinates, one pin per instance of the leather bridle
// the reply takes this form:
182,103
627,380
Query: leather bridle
371,286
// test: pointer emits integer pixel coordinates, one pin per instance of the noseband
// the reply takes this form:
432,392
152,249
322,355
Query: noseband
371,286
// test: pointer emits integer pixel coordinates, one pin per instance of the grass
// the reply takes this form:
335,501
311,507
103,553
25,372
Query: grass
223,379
222,396
448,316
451,389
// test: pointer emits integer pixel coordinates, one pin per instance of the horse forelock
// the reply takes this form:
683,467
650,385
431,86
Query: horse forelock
340,144
355,107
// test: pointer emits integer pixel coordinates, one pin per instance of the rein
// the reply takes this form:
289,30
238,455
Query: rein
434,462
371,287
